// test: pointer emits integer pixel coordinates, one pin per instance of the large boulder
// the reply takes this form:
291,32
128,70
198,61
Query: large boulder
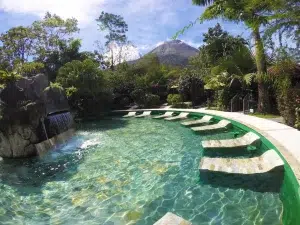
25,104
55,100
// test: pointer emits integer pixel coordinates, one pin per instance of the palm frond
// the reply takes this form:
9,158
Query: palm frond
249,78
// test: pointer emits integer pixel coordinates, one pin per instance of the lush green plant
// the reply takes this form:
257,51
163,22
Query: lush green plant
8,77
139,96
174,99
151,100
254,14
70,91
83,75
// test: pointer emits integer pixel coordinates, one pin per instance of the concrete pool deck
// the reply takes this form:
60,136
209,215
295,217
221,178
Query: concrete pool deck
286,139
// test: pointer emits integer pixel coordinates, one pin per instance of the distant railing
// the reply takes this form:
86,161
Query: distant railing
246,103
236,103
249,103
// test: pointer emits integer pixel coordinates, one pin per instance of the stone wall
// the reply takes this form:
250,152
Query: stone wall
25,104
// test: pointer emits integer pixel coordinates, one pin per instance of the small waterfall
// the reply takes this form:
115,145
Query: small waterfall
59,123
44,128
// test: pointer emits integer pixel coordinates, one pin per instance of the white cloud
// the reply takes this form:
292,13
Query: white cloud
84,11
122,53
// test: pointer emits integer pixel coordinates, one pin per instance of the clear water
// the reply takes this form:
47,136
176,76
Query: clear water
125,171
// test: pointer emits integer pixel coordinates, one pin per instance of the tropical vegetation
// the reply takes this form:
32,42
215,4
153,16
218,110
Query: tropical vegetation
264,68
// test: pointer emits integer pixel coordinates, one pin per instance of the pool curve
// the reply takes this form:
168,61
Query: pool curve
290,190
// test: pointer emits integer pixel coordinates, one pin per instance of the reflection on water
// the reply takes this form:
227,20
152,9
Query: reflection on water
118,172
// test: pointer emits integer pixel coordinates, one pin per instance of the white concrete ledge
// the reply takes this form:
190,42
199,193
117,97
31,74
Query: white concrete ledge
267,162
248,139
181,116
144,114
204,120
167,114
286,139
130,114
223,124
172,219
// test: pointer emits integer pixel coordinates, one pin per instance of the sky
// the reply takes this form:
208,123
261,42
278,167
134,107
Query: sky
150,22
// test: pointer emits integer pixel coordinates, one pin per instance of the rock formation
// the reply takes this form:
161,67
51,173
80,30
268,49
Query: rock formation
24,105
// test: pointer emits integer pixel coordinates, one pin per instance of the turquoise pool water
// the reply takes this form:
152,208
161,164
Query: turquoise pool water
126,171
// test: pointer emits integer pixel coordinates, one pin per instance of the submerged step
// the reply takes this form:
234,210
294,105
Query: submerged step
203,120
130,114
172,219
144,114
223,124
244,141
167,114
267,162
181,116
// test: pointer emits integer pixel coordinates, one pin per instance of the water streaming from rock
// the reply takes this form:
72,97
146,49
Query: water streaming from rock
59,123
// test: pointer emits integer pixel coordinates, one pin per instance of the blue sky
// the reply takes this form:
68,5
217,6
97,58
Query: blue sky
150,21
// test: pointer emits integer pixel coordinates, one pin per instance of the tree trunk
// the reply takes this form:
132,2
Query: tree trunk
260,57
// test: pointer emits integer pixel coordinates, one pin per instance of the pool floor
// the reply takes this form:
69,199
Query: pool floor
126,171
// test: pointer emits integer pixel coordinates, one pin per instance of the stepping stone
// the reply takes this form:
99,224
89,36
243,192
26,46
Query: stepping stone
167,114
223,124
265,163
203,120
172,219
130,114
144,114
244,141
181,116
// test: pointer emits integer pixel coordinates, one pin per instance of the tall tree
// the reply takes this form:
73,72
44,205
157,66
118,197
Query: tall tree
51,31
17,45
116,28
254,13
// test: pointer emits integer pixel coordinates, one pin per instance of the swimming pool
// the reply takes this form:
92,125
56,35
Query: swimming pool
126,171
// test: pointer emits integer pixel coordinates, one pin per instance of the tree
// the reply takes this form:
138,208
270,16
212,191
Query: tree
51,32
117,28
83,75
17,45
254,14
55,59
286,21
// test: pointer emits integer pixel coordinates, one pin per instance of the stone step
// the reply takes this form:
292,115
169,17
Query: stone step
223,124
130,114
167,114
144,114
241,142
203,120
181,116
267,162
172,219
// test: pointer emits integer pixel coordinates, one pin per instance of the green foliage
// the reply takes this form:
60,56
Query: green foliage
71,91
151,100
51,31
8,77
17,44
174,99
138,96
254,14
29,69
83,75
115,25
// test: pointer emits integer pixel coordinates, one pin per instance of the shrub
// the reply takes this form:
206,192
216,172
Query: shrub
138,96
174,99
151,100
288,102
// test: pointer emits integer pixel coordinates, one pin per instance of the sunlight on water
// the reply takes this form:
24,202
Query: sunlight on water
118,172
